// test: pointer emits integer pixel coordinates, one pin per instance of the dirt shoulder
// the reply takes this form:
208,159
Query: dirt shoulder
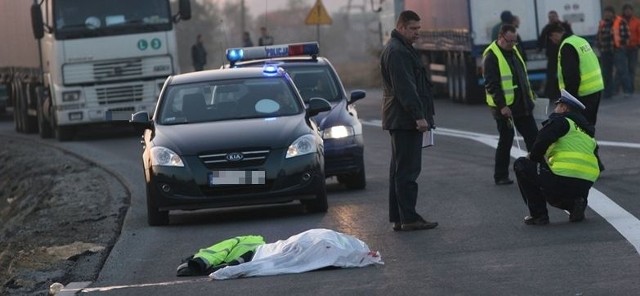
59,217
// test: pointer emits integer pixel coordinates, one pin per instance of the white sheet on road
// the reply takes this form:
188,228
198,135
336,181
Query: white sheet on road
309,250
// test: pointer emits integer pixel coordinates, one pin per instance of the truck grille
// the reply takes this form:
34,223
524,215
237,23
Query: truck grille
122,94
219,160
117,69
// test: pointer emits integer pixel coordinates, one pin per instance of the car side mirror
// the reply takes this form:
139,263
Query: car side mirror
317,105
141,121
356,95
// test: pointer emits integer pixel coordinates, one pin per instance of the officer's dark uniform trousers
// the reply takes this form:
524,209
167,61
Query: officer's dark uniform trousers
539,185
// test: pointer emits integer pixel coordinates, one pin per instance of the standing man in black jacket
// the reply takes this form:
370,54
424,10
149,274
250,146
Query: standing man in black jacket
198,54
407,112
509,97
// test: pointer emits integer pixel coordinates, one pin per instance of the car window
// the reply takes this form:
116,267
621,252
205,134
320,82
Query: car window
315,82
228,100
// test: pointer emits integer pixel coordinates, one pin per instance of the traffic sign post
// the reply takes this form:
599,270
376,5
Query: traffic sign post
318,16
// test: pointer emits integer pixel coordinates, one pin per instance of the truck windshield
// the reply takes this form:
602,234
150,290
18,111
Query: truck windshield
92,18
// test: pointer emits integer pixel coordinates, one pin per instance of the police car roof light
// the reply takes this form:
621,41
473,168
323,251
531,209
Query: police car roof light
270,69
273,51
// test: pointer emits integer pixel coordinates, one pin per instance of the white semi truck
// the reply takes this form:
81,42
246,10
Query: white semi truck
455,33
91,61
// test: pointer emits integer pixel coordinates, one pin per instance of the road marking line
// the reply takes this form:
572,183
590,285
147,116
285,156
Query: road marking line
623,221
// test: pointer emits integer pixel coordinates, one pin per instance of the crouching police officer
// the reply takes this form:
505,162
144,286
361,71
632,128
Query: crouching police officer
562,165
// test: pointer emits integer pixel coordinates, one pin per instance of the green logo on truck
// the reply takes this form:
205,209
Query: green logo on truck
156,43
142,44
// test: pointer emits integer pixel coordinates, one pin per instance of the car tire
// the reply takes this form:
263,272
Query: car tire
320,203
354,181
155,217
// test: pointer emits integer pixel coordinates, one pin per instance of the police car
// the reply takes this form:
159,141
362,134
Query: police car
314,76
231,137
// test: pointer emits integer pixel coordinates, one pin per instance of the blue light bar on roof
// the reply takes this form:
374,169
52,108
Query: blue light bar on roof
274,51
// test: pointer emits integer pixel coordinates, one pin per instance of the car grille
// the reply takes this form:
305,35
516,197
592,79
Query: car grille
218,160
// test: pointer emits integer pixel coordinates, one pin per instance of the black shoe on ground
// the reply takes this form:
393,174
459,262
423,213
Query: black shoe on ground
397,226
542,220
504,181
577,213
419,225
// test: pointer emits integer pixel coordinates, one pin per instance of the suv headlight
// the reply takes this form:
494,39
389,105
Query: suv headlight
165,157
301,146
337,132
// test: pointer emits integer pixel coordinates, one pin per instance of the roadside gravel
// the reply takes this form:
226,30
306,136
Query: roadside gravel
60,215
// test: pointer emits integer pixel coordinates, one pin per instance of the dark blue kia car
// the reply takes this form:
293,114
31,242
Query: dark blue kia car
231,137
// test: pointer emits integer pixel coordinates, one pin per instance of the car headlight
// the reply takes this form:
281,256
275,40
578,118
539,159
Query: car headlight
165,157
337,132
301,146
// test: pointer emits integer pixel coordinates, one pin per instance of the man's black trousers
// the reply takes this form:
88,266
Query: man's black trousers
406,164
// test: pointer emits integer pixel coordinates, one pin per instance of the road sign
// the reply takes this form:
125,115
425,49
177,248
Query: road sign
318,15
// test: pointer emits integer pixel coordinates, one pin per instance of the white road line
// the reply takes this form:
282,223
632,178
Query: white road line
623,221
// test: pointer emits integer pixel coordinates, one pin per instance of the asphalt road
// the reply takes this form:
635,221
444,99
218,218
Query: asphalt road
480,248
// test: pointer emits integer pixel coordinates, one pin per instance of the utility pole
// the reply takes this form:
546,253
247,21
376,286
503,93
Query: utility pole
242,20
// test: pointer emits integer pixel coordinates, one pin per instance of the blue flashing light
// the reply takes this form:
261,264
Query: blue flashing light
234,54
270,70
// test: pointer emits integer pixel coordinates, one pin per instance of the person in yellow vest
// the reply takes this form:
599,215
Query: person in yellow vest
578,70
562,165
510,98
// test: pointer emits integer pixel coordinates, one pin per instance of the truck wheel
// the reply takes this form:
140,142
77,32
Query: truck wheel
17,108
44,126
30,122
319,204
155,217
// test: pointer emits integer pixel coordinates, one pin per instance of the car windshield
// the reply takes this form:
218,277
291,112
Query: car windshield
91,18
228,100
315,82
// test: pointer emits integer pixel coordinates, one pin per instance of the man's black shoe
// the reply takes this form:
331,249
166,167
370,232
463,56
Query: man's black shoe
542,220
504,181
397,226
419,225
577,213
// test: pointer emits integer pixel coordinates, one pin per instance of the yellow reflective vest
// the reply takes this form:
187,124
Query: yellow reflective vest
572,155
590,74
506,76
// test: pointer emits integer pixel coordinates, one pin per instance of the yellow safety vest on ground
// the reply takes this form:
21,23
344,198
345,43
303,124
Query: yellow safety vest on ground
506,76
573,155
590,74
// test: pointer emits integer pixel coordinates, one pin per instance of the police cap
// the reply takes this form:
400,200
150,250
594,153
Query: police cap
568,99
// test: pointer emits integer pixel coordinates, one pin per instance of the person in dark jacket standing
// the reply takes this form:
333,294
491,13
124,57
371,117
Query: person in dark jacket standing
604,40
407,112
578,70
198,54
562,165
510,98
551,89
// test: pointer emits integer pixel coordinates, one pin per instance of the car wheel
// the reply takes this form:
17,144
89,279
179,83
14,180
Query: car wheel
354,181
319,204
155,217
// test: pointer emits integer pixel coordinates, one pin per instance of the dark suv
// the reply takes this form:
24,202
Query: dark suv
314,76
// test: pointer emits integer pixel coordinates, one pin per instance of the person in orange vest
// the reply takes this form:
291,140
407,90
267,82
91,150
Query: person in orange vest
626,39
604,40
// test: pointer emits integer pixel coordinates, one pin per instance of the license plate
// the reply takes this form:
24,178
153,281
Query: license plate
236,177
